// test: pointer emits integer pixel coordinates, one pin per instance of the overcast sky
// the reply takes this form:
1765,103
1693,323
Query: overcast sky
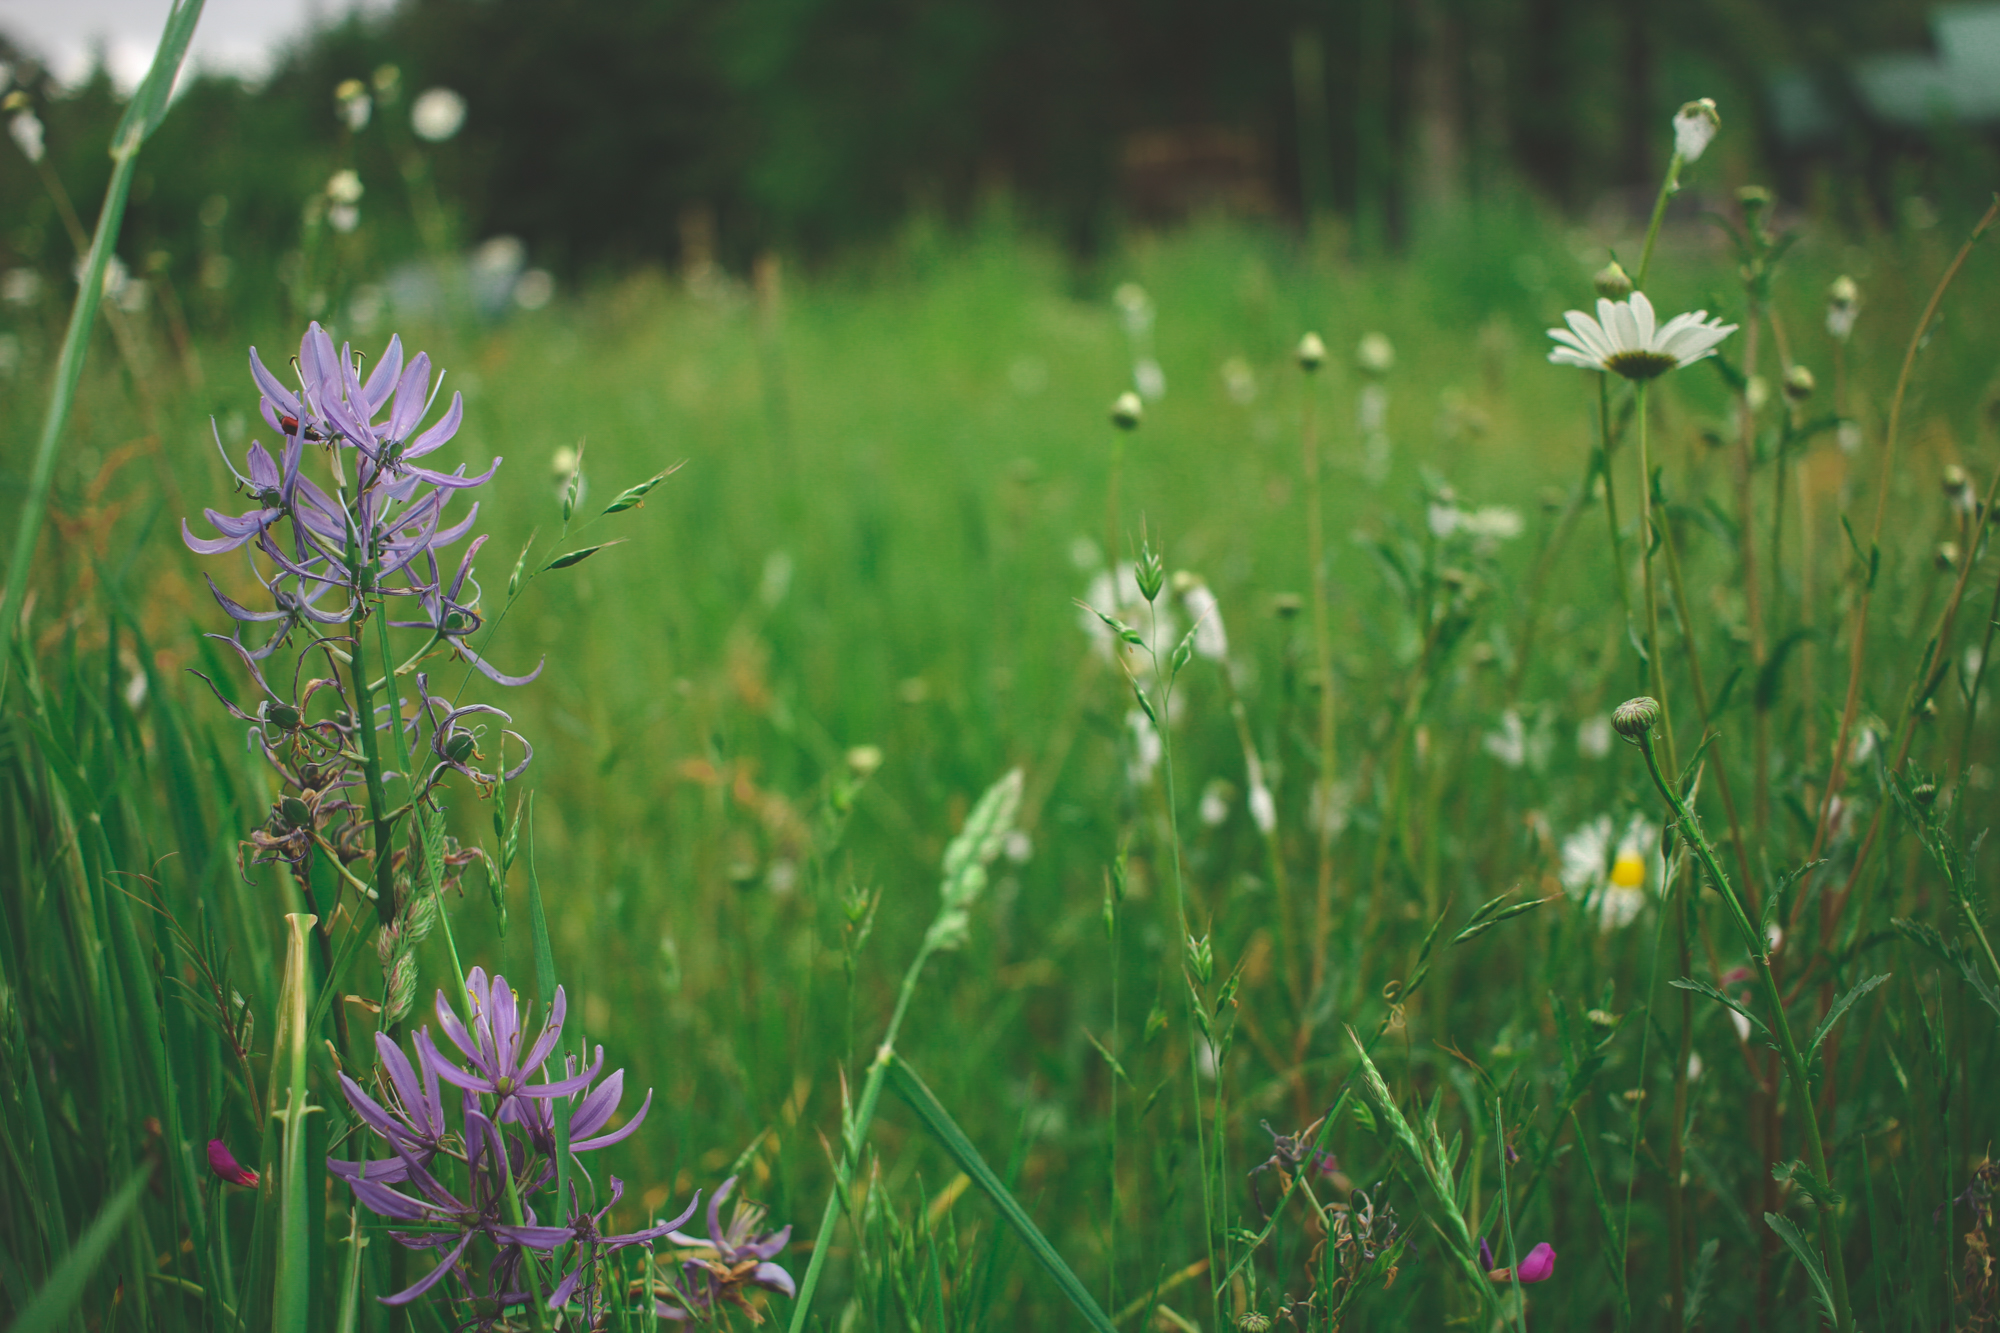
237,36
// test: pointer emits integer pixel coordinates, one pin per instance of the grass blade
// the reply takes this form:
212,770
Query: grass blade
904,1081
59,1295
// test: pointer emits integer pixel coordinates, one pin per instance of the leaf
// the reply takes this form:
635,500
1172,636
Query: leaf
569,558
905,1083
1796,1173
59,1295
632,496
1703,988
1809,1259
1493,912
1841,1006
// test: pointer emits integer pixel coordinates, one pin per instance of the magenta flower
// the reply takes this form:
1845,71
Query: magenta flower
223,1162
1540,1265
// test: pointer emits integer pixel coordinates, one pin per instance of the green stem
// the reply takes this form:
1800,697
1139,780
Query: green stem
1795,1067
1668,189
371,757
854,1137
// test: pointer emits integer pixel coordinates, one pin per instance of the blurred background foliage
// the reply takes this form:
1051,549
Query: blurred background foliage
606,131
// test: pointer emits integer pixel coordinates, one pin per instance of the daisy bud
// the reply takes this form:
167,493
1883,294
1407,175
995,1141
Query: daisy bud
1843,302
1311,352
1799,384
1254,1322
1376,355
1127,410
1695,127
1957,486
1635,717
1924,793
1947,556
1613,283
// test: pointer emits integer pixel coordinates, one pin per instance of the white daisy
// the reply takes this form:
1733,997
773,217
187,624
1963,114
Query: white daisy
1614,873
1626,338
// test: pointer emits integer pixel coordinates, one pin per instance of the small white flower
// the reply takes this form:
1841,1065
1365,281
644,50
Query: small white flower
1442,520
344,187
1372,408
437,114
27,132
1215,802
20,286
1018,848
534,289
1695,126
355,104
1492,522
1210,639
1593,736
1694,1066
1375,355
1149,379
343,218
1263,809
1626,338
1843,304
1146,748
1616,873
1135,308
1509,744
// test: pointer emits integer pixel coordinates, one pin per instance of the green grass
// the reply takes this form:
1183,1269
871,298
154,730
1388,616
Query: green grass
872,542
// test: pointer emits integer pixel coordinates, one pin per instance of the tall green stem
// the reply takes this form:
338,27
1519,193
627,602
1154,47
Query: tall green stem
1795,1068
1669,187
371,756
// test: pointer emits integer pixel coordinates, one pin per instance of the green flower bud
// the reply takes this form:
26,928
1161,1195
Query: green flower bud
1311,352
1635,717
1799,384
1127,411
1613,283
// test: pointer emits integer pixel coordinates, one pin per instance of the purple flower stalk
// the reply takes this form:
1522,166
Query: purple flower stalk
734,1258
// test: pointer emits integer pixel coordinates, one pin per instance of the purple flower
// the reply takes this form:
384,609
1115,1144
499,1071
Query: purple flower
1539,1266
741,1259
592,1245
223,1162
501,1065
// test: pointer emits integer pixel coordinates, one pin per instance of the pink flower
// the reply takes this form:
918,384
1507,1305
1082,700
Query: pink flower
224,1164
1540,1265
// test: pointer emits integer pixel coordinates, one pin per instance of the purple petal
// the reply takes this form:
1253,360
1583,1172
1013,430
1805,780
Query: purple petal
774,1278
768,1246
431,1279
551,1030
715,1235
273,390
492,672
382,380
455,480
383,1171
236,611
411,393
619,1134
446,427
385,1202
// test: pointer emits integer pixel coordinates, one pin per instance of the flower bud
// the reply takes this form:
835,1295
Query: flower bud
1254,1323
1201,959
1376,355
1947,556
1957,484
1924,793
1613,283
1799,384
1843,302
224,1164
1311,352
1127,411
863,760
1635,717
1695,127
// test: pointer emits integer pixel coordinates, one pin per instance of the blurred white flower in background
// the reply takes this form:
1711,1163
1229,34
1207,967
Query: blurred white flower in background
355,105
21,286
1147,749
1593,736
437,114
1215,801
1616,872
535,289
27,132
1239,381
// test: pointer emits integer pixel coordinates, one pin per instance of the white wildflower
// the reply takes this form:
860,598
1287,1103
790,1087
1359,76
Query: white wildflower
1263,809
1616,873
437,114
1626,338
27,132
1509,744
1491,522
1149,379
1593,736
1147,749
1018,847
1843,305
534,289
1214,806
1210,639
1375,355
344,187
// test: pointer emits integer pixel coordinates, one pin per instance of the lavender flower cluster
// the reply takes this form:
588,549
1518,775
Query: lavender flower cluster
503,1152
329,554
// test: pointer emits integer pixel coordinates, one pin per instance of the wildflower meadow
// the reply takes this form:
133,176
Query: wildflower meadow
1220,786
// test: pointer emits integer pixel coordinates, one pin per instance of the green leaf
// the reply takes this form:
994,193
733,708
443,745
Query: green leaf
1703,988
632,496
1841,1006
545,986
59,1295
1809,1259
569,558
904,1081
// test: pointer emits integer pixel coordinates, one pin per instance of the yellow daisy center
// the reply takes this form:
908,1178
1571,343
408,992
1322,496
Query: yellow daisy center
1628,871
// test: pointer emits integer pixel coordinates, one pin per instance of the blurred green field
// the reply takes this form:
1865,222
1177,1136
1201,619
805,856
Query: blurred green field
894,492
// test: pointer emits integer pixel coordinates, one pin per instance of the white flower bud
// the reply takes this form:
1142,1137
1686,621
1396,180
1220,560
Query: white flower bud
1695,127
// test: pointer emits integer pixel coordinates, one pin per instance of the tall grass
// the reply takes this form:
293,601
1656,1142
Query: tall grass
768,716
